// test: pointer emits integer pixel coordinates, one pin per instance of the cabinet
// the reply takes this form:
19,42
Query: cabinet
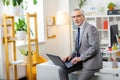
102,23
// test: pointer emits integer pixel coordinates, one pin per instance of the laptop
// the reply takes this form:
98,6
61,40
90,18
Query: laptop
58,61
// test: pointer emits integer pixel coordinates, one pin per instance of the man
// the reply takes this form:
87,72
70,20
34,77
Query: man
86,49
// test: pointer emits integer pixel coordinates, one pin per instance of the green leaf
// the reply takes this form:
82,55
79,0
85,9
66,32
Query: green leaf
14,3
21,25
7,3
17,2
81,3
34,2
3,2
23,51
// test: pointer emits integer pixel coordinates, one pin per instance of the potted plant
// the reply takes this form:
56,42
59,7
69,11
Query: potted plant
16,2
16,7
81,3
25,53
111,6
20,3
21,29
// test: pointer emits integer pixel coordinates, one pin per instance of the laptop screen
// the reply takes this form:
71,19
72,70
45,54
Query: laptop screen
57,61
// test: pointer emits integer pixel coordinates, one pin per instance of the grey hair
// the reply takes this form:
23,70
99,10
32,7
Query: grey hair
78,9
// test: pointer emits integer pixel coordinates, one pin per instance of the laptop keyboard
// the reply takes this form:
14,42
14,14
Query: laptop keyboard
68,64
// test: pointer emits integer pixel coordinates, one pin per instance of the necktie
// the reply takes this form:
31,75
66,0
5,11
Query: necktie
78,37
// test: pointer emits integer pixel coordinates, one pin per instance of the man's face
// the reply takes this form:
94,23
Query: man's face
78,17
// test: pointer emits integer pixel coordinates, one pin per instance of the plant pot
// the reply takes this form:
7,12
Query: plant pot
111,8
21,35
17,11
25,59
14,11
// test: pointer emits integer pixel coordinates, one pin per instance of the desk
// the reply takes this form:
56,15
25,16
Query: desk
46,71
111,54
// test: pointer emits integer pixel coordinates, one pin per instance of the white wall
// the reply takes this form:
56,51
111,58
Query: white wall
1,46
61,44
100,6
1,56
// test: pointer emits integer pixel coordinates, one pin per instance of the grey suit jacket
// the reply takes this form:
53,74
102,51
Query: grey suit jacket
89,47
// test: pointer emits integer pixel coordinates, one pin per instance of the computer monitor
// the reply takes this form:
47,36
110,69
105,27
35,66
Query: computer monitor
113,34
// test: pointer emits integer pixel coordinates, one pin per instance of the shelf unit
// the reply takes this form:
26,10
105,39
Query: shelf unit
30,63
9,39
102,23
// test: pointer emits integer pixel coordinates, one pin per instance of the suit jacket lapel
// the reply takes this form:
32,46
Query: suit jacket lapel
82,32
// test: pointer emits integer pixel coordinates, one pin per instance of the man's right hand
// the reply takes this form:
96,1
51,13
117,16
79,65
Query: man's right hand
68,58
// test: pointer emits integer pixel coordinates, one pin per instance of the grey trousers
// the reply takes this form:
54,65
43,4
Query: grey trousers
84,74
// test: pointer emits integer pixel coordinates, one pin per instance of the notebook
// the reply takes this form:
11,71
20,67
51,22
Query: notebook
58,61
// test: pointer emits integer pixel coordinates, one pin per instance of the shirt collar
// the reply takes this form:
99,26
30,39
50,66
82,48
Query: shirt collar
82,25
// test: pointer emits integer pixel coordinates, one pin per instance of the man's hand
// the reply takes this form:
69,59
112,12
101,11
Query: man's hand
68,58
75,60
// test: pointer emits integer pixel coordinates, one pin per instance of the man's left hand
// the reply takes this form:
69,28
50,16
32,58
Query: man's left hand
75,60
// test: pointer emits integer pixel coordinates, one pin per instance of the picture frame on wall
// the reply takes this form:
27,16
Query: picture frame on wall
51,28
50,20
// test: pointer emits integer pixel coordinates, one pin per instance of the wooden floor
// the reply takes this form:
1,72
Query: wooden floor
25,78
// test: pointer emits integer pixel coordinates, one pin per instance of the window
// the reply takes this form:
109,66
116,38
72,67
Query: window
31,8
